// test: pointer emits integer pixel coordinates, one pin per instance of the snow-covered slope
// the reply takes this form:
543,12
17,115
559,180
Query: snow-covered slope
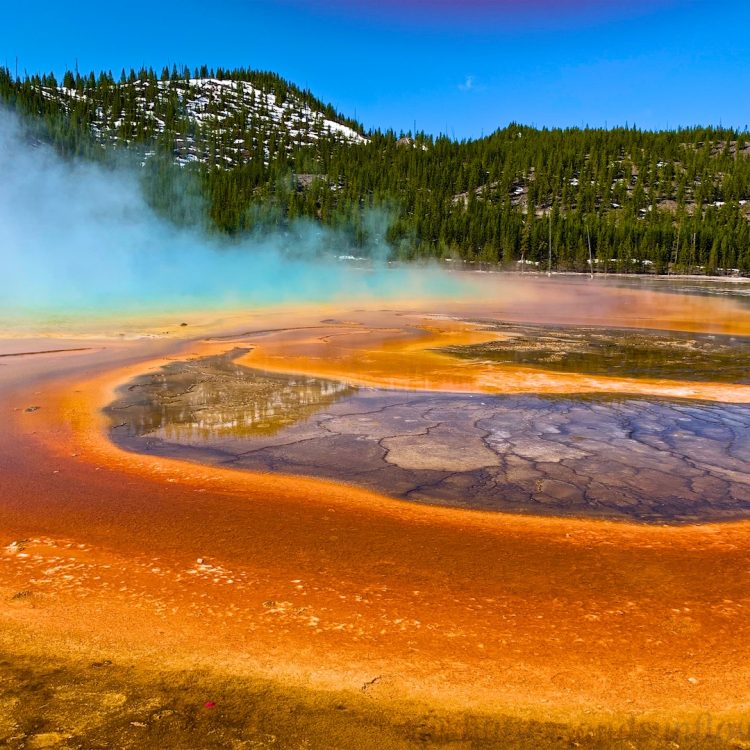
222,122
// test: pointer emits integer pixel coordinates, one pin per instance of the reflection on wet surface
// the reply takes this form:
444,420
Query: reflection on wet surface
214,397
629,353
633,458
736,288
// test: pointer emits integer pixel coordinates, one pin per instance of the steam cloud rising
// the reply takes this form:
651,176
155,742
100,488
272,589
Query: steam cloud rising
77,236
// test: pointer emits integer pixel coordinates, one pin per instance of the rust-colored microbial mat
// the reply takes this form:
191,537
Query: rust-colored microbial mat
109,555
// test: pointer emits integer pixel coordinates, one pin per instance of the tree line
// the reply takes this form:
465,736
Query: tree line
630,200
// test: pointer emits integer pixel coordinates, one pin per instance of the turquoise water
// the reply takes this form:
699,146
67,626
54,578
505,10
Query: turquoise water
78,239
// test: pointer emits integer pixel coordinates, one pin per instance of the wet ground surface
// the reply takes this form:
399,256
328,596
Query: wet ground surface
214,397
639,459
736,288
617,352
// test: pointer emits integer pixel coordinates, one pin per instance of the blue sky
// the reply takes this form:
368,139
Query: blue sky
464,68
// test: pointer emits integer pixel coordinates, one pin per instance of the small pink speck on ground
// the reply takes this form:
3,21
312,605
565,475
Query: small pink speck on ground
209,704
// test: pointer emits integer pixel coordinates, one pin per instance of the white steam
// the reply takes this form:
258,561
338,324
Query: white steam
77,236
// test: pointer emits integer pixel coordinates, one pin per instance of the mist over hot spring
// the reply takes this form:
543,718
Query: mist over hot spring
79,236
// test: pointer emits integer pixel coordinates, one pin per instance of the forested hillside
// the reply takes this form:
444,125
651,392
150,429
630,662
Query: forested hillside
263,152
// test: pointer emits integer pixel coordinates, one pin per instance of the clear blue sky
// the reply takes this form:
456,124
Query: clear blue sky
458,67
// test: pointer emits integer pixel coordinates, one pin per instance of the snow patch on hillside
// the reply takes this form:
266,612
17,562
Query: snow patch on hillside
212,120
